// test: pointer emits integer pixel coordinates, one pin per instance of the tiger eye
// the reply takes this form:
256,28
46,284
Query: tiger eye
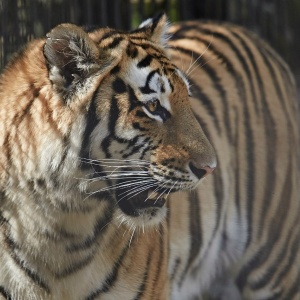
152,105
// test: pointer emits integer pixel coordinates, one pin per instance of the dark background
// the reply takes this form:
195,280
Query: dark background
278,21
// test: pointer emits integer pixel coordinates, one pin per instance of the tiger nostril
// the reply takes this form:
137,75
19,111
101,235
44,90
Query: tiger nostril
200,172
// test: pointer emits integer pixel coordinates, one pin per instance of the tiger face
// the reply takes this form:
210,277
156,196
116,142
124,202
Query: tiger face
141,135
135,139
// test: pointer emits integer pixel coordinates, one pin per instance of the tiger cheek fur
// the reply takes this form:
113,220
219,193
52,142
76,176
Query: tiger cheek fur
100,149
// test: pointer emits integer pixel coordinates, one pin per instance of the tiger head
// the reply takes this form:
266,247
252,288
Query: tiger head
124,125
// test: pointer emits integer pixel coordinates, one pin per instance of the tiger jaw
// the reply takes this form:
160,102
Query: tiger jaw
146,202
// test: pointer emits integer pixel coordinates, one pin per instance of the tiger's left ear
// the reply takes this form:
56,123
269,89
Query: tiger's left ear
156,29
72,57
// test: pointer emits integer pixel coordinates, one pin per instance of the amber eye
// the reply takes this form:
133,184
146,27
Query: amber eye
152,105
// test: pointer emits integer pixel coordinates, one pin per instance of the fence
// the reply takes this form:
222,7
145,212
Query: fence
275,20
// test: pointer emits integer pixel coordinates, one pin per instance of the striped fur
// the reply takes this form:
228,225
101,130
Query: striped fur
98,129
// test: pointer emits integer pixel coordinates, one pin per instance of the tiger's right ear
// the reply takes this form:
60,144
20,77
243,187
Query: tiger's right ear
71,55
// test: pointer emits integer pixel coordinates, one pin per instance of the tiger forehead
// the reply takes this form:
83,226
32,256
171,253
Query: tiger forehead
153,80
143,62
133,43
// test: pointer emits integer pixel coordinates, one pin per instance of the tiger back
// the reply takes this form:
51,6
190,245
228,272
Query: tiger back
104,139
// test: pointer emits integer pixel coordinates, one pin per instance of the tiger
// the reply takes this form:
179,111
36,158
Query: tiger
160,163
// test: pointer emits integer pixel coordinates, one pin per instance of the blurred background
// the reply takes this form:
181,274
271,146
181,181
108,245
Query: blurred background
277,21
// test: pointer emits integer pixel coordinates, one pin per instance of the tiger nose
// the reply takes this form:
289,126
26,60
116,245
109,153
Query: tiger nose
201,172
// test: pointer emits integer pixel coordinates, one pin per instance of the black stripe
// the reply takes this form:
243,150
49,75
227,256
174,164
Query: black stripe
5,293
99,228
116,41
207,104
75,267
195,232
269,273
219,194
114,113
146,89
112,277
111,33
141,114
143,285
134,148
20,263
131,50
146,150
284,69
278,221
155,21
137,125
133,100
258,259
55,173
204,127
175,268
277,295
286,75
25,111
145,62
294,290
119,86
116,69
275,80
13,247
162,255
91,122
151,49
294,249
237,168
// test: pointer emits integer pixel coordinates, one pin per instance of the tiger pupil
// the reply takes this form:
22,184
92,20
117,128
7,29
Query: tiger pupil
152,105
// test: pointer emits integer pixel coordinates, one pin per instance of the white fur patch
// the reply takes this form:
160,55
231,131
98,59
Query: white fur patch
137,78
185,80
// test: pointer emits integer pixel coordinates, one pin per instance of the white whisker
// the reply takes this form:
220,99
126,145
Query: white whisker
134,228
190,70
139,190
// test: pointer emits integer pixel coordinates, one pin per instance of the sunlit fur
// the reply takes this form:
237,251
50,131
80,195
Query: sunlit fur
90,119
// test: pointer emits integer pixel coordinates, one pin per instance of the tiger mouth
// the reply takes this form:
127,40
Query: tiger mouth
133,204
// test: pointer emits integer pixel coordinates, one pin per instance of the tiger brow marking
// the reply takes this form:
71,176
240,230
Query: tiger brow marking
145,62
146,89
116,41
